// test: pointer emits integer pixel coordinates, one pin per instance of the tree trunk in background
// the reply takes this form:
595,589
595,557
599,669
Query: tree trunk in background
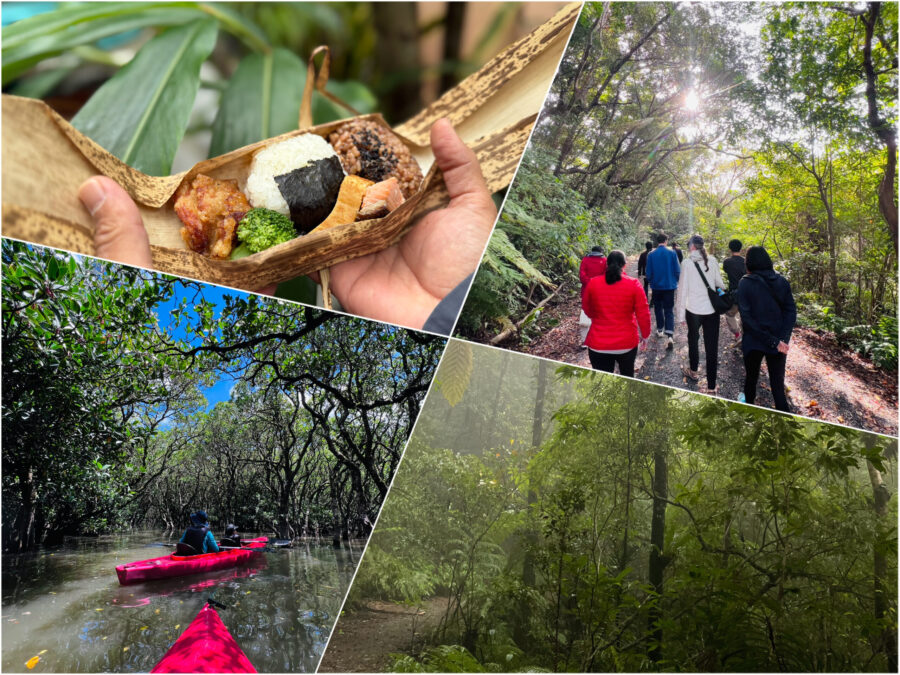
884,130
658,561
495,439
565,148
832,237
285,531
623,560
537,433
334,489
881,497
397,54
454,20
23,535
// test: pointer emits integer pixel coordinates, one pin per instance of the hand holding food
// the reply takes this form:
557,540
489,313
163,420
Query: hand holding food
119,232
401,284
296,186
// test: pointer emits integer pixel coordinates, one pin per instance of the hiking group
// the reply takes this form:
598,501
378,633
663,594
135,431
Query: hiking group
758,307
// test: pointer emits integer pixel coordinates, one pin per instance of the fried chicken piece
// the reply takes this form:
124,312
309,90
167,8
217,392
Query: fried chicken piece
210,210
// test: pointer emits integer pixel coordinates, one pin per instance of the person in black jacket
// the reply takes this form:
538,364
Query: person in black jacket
199,536
642,267
768,313
735,268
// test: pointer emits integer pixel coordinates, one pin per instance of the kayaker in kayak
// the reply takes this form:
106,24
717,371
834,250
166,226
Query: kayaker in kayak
231,537
198,536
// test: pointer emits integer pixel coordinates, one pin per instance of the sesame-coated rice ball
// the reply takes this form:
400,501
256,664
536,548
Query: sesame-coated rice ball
369,150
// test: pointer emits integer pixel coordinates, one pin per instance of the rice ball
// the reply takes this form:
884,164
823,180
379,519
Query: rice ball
279,159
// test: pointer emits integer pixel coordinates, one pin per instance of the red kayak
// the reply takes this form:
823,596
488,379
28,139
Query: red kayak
205,647
182,565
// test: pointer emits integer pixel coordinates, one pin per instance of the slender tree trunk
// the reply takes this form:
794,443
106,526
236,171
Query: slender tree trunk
828,196
504,364
881,497
882,128
334,489
24,535
397,54
454,19
537,432
284,521
658,561
565,148
625,552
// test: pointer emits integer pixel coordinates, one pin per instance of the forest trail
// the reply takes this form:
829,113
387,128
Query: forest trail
824,381
373,632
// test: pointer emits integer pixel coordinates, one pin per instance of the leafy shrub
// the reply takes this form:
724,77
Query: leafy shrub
544,231
454,659
877,342
390,577
443,659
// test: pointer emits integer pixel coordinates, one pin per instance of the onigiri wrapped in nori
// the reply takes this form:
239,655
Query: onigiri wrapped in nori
299,177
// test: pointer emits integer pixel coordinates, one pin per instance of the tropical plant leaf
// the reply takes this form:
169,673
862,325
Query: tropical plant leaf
141,113
455,371
263,100
42,83
354,93
31,40
501,247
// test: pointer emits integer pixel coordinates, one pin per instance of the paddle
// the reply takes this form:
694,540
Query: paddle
215,603
276,544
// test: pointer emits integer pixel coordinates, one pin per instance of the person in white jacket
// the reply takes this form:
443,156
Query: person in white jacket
692,306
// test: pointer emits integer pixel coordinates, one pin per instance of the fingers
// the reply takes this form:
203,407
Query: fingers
462,174
119,232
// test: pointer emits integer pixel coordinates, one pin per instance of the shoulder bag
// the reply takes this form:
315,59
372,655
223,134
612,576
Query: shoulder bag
720,303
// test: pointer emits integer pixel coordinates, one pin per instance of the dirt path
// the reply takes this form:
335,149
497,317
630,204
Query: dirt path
824,381
365,637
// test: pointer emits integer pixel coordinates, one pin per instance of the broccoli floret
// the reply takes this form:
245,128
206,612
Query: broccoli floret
260,229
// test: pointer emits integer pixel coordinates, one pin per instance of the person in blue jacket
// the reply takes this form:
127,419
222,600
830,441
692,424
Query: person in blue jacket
768,313
199,535
663,271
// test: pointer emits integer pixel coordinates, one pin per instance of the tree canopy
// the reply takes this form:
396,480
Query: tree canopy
106,423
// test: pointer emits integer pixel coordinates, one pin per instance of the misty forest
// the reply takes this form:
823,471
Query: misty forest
771,123
108,423
551,518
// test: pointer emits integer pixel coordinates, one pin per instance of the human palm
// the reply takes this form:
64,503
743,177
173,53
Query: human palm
404,283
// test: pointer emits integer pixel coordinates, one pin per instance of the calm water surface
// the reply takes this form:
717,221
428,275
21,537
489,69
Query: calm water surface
68,601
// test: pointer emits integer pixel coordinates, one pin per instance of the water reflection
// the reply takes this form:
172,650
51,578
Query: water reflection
67,601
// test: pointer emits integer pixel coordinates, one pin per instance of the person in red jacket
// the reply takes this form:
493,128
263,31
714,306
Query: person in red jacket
620,317
592,265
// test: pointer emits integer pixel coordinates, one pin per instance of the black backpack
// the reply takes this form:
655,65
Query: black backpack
720,303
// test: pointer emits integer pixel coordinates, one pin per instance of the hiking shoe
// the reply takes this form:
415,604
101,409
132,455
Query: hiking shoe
671,343
659,334
742,398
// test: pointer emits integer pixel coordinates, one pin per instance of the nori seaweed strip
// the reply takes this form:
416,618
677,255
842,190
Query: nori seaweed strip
311,191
